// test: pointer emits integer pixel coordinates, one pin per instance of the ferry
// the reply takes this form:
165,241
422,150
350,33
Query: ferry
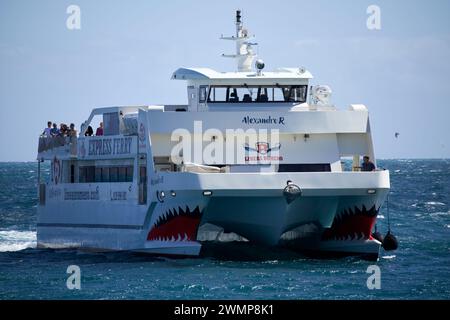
255,155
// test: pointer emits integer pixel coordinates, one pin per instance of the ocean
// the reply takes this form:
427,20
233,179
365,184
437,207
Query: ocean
419,205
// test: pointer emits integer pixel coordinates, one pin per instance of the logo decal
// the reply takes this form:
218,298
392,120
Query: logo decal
263,150
262,147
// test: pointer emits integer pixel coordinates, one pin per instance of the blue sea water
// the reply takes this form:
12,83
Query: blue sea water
420,269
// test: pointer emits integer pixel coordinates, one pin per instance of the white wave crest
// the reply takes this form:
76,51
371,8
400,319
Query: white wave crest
13,240
435,203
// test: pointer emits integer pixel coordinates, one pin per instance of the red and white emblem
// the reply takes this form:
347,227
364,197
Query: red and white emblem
262,147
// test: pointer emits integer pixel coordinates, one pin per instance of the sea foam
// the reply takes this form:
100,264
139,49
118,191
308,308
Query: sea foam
13,240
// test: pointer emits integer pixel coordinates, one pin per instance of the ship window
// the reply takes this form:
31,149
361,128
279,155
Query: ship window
122,174
82,175
143,174
105,175
142,184
111,124
259,94
88,174
72,173
129,177
98,174
113,174
202,94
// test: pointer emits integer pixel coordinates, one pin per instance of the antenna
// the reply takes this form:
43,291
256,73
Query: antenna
244,51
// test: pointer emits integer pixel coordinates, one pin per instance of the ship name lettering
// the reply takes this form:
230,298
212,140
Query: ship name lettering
267,120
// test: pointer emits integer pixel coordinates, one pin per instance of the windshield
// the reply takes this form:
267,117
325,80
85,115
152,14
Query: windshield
260,94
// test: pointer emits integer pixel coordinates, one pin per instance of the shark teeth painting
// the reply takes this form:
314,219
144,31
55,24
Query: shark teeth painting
176,224
352,224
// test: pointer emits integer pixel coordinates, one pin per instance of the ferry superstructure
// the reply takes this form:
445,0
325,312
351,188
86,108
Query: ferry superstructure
254,153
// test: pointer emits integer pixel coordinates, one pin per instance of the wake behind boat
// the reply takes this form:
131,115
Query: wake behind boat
254,155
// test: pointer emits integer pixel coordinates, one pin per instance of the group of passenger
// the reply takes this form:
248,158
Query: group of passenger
90,132
52,130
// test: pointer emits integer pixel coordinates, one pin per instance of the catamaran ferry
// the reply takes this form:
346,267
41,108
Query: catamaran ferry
254,154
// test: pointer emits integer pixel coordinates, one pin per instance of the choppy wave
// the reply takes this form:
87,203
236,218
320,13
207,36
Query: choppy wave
13,240
419,216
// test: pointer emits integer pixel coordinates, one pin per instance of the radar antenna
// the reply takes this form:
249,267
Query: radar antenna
244,51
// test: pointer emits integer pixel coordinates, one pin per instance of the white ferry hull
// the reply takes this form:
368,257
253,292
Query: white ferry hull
323,220
336,219
103,224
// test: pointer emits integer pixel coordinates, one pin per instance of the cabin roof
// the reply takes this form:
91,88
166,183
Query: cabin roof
210,74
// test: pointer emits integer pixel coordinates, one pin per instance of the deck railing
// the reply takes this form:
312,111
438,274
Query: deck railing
50,143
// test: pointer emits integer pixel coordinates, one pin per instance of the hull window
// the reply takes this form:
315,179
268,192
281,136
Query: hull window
142,185
105,174
72,173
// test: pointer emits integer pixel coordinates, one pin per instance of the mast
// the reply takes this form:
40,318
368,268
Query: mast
244,52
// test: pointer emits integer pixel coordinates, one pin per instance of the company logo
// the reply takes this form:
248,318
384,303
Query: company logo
263,147
263,150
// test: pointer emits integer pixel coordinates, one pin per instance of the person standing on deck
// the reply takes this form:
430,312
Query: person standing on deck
99,131
47,131
367,165
54,131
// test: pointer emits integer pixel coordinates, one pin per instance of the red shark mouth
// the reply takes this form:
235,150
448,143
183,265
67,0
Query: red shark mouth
176,225
351,224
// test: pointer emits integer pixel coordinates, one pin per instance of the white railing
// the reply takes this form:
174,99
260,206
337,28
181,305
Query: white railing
57,144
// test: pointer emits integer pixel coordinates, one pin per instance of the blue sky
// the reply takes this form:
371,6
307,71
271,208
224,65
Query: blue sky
125,53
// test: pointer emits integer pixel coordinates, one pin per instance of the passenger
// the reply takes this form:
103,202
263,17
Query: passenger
72,132
367,165
99,131
234,97
263,98
89,132
247,98
54,131
47,131
62,129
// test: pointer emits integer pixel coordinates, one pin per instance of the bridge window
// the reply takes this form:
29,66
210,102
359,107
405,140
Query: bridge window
111,124
258,94
202,94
